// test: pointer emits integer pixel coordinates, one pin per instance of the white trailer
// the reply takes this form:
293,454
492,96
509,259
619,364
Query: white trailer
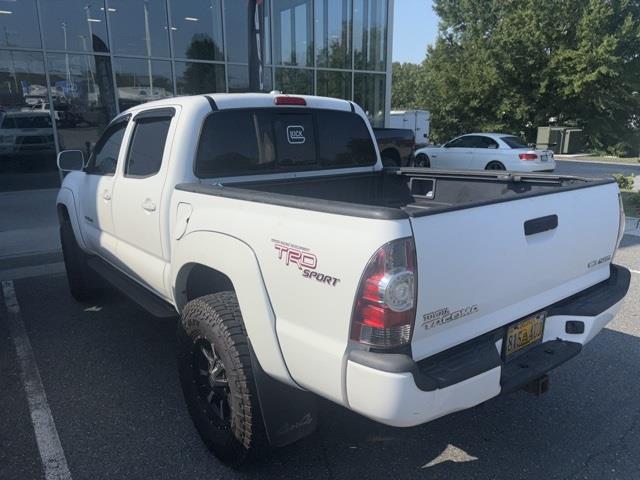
416,120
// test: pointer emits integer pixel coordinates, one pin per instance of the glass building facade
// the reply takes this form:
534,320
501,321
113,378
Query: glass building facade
68,66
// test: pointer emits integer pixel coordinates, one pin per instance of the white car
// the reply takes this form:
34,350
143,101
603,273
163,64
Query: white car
486,151
23,133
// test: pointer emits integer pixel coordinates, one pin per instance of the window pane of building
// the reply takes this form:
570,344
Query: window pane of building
84,91
237,31
266,12
268,79
333,33
369,93
26,132
196,27
293,32
139,27
19,24
193,78
294,80
141,80
333,84
370,34
77,25
238,78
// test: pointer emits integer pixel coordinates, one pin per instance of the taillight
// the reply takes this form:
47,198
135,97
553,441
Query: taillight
622,220
286,100
528,156
385,305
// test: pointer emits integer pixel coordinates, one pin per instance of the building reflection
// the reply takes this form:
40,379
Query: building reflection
68,66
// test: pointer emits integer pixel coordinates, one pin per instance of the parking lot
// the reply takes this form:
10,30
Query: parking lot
109,375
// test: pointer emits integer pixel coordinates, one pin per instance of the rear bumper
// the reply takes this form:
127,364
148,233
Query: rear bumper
395,390
537,166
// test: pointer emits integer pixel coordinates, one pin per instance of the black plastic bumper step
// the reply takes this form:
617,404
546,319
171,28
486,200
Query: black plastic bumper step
535,363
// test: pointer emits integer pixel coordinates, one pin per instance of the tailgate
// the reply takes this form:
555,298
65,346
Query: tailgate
478,270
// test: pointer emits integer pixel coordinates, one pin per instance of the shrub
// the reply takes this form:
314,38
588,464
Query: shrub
622,149
624,182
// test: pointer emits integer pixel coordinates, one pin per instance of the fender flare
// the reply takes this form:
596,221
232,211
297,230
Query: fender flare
234,258
66,198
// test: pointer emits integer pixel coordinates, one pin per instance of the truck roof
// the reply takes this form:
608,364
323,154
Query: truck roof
224,101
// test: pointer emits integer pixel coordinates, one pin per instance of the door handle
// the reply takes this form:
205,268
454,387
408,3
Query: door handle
106,195
149,205
541,224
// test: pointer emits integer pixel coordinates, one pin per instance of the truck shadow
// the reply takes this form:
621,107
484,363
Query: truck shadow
110,376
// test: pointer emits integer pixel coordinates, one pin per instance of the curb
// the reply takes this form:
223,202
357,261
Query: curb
599,162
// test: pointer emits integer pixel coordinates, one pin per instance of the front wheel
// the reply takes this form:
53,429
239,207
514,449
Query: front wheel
217,379
422,160
495,166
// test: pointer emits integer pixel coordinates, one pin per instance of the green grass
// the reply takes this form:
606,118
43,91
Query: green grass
631,208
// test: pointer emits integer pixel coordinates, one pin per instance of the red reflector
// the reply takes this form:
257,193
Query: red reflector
528,156
290,101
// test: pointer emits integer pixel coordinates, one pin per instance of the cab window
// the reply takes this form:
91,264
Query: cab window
144,158
104,158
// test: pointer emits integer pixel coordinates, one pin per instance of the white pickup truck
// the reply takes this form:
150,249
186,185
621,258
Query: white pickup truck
299,266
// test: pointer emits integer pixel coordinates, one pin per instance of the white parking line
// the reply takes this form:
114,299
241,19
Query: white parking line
53,459
634,271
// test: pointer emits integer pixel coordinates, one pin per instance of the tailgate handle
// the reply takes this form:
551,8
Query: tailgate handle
541,224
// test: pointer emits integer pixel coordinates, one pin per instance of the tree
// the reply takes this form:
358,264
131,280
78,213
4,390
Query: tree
406,82
510,65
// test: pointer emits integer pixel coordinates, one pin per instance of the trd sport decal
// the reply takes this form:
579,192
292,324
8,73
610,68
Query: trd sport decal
306,261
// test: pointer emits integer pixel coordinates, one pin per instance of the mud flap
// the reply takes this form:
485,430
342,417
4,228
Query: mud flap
289,414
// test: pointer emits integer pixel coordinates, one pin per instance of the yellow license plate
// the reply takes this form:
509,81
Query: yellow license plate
524,333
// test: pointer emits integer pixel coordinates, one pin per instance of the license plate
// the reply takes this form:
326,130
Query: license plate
544,158
524,333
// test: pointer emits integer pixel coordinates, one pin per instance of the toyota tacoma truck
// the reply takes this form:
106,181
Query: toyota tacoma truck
300,267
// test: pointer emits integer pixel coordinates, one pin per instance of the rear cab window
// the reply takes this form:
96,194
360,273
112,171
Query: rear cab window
261,141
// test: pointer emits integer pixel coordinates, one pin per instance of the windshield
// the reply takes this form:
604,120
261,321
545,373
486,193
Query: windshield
245,142
514,142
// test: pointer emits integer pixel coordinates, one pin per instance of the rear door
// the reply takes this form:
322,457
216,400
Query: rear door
138,196
478,269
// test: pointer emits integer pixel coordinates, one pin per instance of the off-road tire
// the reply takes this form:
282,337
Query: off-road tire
81,279
216,319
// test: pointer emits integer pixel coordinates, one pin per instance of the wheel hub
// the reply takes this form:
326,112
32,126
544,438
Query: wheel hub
211,380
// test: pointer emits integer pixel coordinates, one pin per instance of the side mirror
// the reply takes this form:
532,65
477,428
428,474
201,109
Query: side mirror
70,160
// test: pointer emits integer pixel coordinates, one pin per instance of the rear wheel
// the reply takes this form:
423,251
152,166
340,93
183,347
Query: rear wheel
82,281
217,379
495,166
422,160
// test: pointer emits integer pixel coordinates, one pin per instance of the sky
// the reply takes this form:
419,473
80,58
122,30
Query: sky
415,25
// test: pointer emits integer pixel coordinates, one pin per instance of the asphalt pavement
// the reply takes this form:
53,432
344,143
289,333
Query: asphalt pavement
109,374
593,169
109,380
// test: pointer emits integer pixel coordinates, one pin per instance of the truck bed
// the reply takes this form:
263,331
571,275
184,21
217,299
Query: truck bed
395,193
